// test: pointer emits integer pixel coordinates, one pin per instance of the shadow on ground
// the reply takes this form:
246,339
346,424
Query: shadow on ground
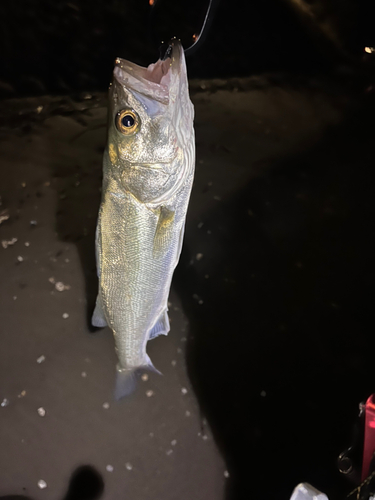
85,484
79,190
280,349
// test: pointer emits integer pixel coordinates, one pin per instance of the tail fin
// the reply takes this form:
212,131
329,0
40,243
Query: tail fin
125,382
126,379
149,366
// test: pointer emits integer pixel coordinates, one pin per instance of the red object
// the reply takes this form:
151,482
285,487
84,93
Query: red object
369,440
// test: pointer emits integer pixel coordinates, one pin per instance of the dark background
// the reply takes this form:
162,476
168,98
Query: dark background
65,46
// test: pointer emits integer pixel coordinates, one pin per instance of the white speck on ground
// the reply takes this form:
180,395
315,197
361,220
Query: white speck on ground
52,280
226,474
200,225
5,402
187,413
41,359
174,442
173,362
65,315
20,258
106,406
149,393
144,377
27,244
84,374
184,390
8,243
22,394
109,468
204,437
4,216
169,452
42,484
60,287
41,412
129,466
199,256
14,297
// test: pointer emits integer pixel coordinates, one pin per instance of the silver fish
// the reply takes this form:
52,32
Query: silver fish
148,171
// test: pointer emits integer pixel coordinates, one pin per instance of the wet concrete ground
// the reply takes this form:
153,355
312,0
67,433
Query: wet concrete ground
271,306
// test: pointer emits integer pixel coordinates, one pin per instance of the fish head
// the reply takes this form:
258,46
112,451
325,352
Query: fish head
150,126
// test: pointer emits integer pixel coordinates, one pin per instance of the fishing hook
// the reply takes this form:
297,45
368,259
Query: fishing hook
198,37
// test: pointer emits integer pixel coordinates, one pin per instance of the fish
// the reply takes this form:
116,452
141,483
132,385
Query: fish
148,172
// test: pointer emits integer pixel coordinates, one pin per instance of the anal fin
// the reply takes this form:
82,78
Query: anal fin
161,327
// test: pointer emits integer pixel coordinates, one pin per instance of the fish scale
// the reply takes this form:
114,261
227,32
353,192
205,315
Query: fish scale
148,175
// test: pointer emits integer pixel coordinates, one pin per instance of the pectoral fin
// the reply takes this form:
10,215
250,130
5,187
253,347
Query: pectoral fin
164,232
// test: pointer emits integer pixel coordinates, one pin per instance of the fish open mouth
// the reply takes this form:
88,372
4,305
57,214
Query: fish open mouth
157,78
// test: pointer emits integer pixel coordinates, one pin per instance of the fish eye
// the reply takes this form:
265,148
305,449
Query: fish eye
127,121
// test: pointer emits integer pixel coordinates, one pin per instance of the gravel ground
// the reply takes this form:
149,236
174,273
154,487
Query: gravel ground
270,305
